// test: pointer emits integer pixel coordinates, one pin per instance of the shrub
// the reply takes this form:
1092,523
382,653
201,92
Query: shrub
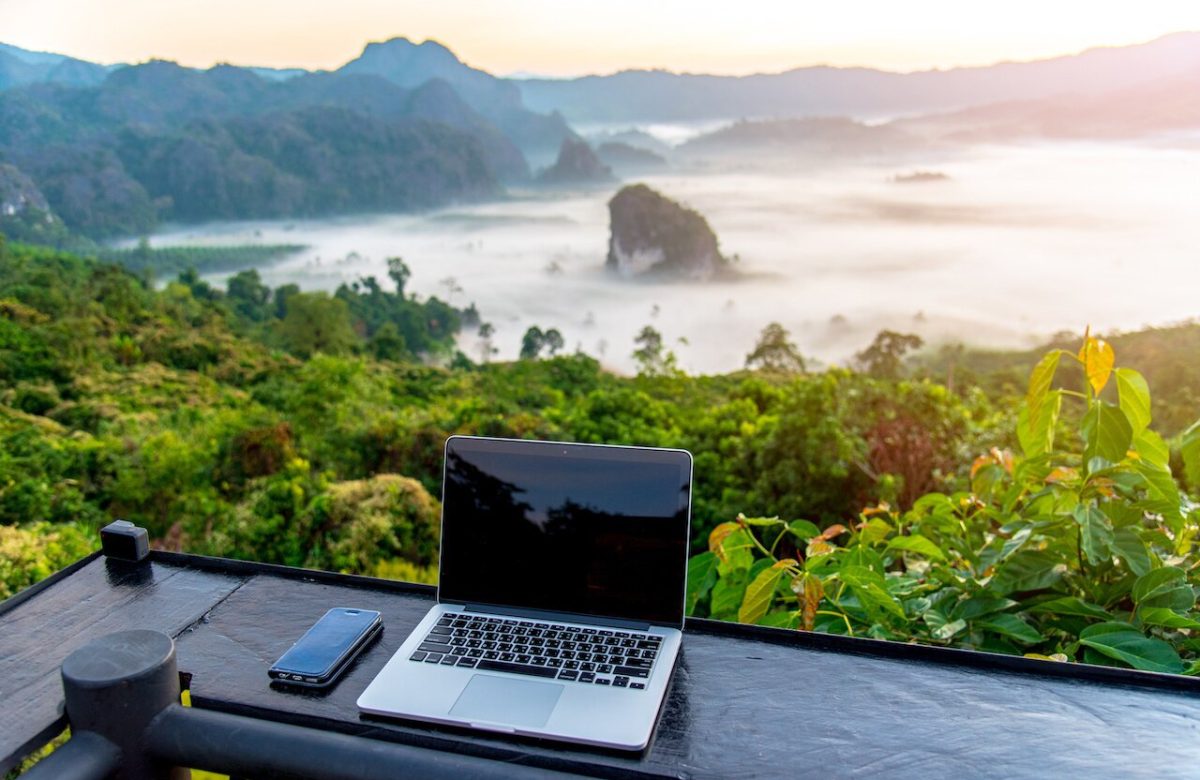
1084,552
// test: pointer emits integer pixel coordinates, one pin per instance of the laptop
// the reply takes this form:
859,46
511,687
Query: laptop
560,595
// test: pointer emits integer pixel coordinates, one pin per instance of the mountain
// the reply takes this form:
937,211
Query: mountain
160,141
409,65
1165,107
19,66
779,139
641,96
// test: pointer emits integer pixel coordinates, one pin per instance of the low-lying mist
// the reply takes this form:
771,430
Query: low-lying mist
1012,244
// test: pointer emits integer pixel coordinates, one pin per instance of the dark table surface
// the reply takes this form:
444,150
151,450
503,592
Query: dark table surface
745,701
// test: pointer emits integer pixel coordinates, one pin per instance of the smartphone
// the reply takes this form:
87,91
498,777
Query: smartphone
318,657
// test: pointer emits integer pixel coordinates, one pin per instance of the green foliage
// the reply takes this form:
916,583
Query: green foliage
884,357
35,551
316,323
774,352
1084,552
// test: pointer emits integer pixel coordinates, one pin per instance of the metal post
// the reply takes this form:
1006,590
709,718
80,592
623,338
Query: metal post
114,687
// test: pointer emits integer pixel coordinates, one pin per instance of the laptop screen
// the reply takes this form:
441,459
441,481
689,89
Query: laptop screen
577,528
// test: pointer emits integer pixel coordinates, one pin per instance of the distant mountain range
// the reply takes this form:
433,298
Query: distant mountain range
639,96
115,149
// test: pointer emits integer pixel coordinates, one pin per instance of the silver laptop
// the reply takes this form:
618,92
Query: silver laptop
560,597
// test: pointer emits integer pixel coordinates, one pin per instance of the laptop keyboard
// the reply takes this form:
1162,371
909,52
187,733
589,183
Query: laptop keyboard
621,659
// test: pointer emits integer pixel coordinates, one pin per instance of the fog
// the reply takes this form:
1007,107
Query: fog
1018,242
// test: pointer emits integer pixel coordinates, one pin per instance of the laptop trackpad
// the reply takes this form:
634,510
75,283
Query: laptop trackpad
505,700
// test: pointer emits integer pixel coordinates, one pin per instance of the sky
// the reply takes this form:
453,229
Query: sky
569,38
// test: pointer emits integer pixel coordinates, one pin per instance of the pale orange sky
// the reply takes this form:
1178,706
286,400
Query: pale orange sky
562,37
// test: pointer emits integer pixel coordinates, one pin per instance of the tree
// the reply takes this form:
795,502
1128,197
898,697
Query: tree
535,340
316,323
281,298
774,353
651,358
531,343
883,359
388,343
399,273
248,295
486,346
553,341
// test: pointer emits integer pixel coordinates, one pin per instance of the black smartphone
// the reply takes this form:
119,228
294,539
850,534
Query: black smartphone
318,657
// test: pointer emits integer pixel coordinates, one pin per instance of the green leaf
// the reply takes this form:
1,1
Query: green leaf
1161,616
736,547
1039,383
760,593
727,595
803,530
778,620
1128,645
1009,625
915,543
1189,447
1151,447
1106,432
701,575
1095,533
1130,548
1162,492
762,522
1027,570
940,627
1069,605
871,590
1164,587
876,530
977,606
1133,394
1035,430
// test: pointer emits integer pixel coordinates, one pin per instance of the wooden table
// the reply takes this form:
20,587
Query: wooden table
745,701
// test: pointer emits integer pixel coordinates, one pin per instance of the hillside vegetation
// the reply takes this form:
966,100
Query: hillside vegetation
306,429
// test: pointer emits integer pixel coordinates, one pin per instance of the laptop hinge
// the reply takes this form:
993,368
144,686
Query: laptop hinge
566,617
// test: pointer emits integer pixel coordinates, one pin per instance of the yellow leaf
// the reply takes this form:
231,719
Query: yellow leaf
1062,474
1097,357
814,591
716,539
818,546
832,531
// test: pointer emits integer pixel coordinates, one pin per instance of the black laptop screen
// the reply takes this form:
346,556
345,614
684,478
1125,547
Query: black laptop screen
576,528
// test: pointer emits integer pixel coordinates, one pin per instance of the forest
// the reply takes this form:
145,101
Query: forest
1040,504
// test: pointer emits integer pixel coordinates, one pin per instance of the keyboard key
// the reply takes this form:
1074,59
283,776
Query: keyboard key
501,666
586,676
639,662
620,682
568,674
418,656
507,656
604,668
570,664
468,662
491,655
431,647
637,685
445,621
588,666
632,671
603,681
448,660
441,629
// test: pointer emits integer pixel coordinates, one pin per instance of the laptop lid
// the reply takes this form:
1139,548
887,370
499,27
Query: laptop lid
561,528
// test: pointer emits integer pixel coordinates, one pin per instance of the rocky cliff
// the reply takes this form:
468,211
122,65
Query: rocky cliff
576,164
652,235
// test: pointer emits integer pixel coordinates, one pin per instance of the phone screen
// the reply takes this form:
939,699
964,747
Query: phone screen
327,642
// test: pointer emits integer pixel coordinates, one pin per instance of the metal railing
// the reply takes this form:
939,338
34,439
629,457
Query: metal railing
123,704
